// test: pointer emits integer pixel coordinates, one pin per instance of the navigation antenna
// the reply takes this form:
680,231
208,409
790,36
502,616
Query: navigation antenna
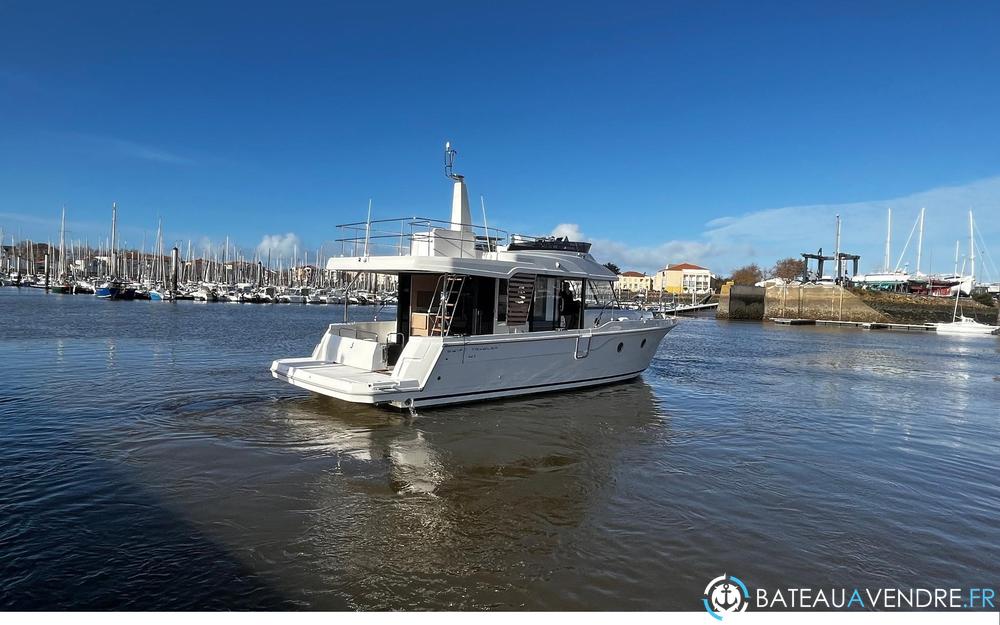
449,162
461,218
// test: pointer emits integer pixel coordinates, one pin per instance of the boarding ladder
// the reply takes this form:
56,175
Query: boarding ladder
449,291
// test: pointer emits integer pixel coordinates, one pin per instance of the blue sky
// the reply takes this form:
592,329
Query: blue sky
665,131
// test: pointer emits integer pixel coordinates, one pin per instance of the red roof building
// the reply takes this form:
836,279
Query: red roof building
682,266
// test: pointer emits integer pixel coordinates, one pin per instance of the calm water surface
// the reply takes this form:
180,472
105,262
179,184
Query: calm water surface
148,460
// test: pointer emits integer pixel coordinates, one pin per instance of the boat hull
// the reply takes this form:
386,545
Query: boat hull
466,369
113,292
963,329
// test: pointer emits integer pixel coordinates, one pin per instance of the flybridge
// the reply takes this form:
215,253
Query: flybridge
457,238
421,236
418,236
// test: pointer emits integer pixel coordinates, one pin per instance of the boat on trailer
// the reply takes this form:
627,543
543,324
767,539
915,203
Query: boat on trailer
480,314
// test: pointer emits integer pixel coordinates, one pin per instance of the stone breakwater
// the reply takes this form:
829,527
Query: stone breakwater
901,308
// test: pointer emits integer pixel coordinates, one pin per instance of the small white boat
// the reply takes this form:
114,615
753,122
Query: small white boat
961,324
266,295
482,315
336,296
966,325
204,294
295,295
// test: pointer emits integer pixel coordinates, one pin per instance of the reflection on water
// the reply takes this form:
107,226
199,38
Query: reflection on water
150,461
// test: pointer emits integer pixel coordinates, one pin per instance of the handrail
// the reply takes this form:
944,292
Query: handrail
400,237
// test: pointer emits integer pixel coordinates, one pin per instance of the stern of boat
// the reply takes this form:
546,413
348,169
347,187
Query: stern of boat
352,362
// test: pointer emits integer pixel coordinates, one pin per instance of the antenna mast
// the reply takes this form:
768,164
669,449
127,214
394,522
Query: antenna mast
449,162
486,226
461,217
368,226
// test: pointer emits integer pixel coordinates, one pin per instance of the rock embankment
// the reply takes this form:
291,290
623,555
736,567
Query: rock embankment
903,308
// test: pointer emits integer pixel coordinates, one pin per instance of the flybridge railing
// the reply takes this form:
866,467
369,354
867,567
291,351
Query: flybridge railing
400,237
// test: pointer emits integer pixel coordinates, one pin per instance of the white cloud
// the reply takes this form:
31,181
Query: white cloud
641,258
280,245
126,148
765,236
570,231
780,232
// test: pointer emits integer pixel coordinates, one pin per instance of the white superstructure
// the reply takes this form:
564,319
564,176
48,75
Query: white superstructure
480,315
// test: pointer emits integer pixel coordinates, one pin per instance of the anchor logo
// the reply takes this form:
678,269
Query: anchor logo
729,599
725,594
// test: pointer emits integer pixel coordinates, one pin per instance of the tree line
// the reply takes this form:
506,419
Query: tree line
787,269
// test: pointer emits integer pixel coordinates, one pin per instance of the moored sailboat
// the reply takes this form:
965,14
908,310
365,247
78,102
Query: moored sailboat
961,324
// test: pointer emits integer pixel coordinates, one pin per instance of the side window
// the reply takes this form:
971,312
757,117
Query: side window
600,294
502,300
543,306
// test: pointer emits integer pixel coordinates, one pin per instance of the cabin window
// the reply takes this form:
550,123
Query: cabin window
600,294
544,313
600,299
502,300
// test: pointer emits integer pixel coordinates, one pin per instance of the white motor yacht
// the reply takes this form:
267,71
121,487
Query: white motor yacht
205,293
295,295
336,296
480,315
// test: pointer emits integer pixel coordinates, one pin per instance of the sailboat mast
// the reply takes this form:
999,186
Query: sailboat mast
920,241
958,294
113,250
158,246
62,245
972,253
836,254
888,239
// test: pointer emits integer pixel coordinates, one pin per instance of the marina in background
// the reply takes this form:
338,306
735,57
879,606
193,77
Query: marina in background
818,286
